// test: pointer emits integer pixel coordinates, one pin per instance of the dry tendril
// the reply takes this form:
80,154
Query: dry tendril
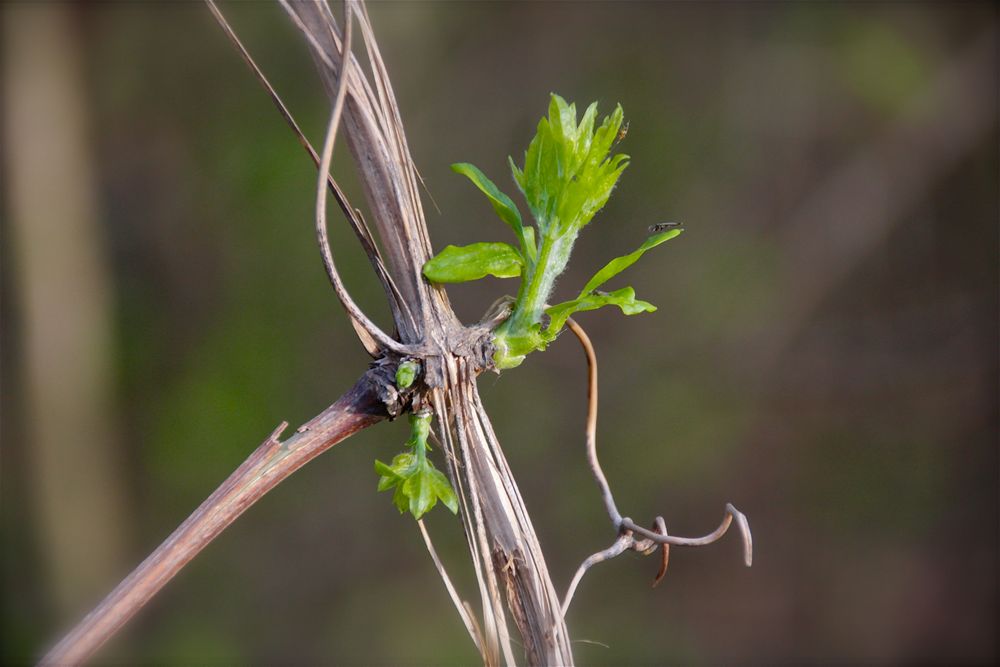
630,535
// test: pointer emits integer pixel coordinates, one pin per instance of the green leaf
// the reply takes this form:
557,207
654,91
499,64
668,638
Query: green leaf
619,264
567,177
568,174
388,478
442,489
400,499
403,463
418,484
425,488
402,467
623,298
418,487
459,264
419,490
502,204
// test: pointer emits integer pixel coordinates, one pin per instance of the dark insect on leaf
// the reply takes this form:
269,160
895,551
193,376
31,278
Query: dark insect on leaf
664,226
622,132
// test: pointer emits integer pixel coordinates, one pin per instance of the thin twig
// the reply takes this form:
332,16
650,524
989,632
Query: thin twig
628,529
620,546
377,141
460,604
352,214
263,470
353,311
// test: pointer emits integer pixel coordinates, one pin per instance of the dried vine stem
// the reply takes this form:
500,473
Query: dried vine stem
460,606
375,136
365,328
351,214
264,469
626,528
496,522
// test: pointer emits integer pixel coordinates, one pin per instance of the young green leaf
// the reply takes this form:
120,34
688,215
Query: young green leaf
389,477
396,473
502,204
459,264
441,488
418,489
623,298
568,175
567,178
418,484
619,264
400,499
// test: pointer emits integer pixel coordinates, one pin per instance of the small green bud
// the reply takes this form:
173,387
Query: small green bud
406,373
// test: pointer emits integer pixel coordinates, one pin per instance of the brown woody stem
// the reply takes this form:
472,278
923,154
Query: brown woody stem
263,470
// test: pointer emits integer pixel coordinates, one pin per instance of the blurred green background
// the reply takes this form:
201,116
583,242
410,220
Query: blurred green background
825,355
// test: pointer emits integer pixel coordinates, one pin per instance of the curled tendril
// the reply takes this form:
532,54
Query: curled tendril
631,536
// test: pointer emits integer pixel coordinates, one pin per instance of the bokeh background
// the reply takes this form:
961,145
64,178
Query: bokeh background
825,355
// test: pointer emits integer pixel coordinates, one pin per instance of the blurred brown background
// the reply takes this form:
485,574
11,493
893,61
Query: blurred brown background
825,355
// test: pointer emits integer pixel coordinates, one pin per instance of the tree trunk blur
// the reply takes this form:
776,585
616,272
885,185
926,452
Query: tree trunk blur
65,305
